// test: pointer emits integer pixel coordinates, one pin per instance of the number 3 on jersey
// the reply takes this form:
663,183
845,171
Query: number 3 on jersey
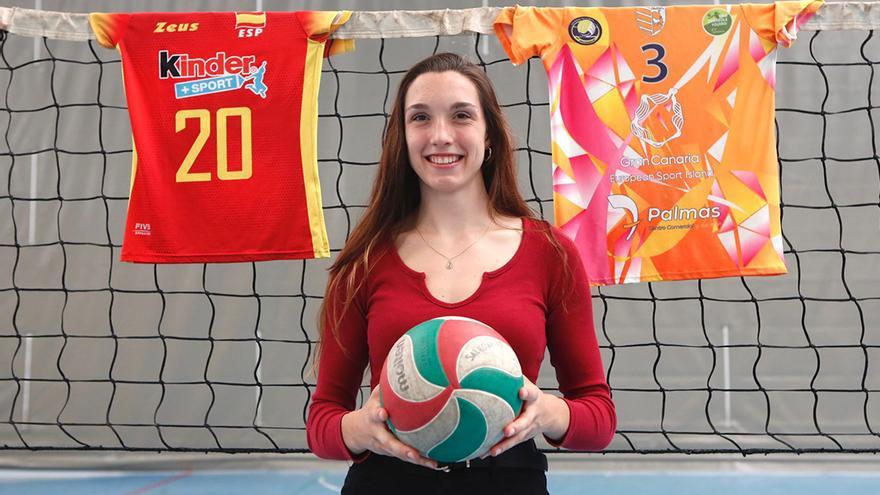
656,61
204,118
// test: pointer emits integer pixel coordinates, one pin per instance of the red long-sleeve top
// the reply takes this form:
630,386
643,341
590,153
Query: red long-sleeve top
529,300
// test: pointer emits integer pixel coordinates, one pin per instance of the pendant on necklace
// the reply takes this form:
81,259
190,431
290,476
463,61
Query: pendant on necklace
449,264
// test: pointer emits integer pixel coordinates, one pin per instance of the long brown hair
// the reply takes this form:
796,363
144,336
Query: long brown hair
396,193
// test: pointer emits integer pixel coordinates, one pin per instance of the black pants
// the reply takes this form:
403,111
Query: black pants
520,470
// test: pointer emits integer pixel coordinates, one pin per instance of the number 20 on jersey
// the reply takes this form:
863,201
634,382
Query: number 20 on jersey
203,118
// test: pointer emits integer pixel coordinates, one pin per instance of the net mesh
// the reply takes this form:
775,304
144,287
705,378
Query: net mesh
101,355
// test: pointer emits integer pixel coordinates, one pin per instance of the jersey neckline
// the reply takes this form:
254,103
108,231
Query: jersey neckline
527,227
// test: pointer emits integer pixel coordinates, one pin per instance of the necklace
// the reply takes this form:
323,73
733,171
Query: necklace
448,258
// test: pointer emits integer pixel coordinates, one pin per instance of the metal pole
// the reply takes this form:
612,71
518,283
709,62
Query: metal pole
725,357
32,210
484,42
26,403
259,388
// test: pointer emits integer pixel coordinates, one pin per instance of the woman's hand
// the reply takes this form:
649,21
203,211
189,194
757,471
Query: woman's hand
365,429
541,414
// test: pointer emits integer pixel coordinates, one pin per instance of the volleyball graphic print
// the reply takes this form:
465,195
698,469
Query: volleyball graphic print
450,386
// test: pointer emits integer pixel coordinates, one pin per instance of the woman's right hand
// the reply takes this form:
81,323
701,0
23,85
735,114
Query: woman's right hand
364,429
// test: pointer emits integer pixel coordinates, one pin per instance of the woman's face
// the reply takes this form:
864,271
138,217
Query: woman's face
445,131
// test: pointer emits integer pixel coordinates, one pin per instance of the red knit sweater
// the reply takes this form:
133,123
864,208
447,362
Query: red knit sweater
522,300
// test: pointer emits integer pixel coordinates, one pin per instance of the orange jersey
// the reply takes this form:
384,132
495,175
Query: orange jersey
223,110
664,156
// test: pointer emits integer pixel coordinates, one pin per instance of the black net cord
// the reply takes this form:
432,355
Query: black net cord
667,433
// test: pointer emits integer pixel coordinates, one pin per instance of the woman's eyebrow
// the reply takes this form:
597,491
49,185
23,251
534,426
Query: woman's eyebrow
463,104
455,106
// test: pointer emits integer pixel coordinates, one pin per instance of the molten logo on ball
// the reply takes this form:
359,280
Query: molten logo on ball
450,386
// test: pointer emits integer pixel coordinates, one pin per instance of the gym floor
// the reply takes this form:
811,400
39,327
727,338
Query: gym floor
327,481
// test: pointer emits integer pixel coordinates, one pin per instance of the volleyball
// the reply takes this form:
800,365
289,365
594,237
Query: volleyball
450,386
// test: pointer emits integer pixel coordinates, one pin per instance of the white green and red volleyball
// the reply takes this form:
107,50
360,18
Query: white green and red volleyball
450,385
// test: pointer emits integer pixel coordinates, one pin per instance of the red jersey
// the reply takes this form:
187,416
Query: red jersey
223,110
530,301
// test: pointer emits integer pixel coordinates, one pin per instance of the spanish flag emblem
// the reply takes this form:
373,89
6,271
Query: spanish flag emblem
250,20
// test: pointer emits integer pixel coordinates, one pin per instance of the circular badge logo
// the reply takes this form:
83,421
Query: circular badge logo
585,30
717,22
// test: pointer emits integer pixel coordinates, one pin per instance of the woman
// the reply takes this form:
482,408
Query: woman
446,233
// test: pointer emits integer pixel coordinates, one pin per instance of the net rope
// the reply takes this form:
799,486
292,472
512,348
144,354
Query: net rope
797,384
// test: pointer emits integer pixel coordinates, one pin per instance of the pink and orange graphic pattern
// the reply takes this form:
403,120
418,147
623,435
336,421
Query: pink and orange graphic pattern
662,122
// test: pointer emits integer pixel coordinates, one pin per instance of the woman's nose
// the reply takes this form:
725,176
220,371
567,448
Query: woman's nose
441,132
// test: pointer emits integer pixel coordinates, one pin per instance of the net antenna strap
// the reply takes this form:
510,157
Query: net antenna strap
404,23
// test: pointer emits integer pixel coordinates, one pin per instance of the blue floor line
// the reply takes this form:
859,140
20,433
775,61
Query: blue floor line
559,483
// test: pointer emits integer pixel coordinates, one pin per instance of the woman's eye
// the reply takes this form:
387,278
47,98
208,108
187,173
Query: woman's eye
463,115
418,117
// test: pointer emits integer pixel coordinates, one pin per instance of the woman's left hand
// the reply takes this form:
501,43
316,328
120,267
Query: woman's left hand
541,414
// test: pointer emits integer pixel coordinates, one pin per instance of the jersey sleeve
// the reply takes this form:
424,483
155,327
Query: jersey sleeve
574,354
319,25
779,22
109,28
527,31
340,371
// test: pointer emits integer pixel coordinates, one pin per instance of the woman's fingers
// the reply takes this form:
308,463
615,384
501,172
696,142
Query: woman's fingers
524,426
515,434
529,392
529,395
384,442
388,444
365,429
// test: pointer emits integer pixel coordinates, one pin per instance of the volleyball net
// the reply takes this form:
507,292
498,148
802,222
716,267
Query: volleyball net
96,354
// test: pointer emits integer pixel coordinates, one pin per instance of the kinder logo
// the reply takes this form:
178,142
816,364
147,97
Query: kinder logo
181,66
215,74
250,24
142,229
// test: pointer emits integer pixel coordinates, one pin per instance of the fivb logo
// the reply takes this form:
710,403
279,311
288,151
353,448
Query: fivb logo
142,229
217,74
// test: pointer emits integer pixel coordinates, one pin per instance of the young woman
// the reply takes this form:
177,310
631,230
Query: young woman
446,233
